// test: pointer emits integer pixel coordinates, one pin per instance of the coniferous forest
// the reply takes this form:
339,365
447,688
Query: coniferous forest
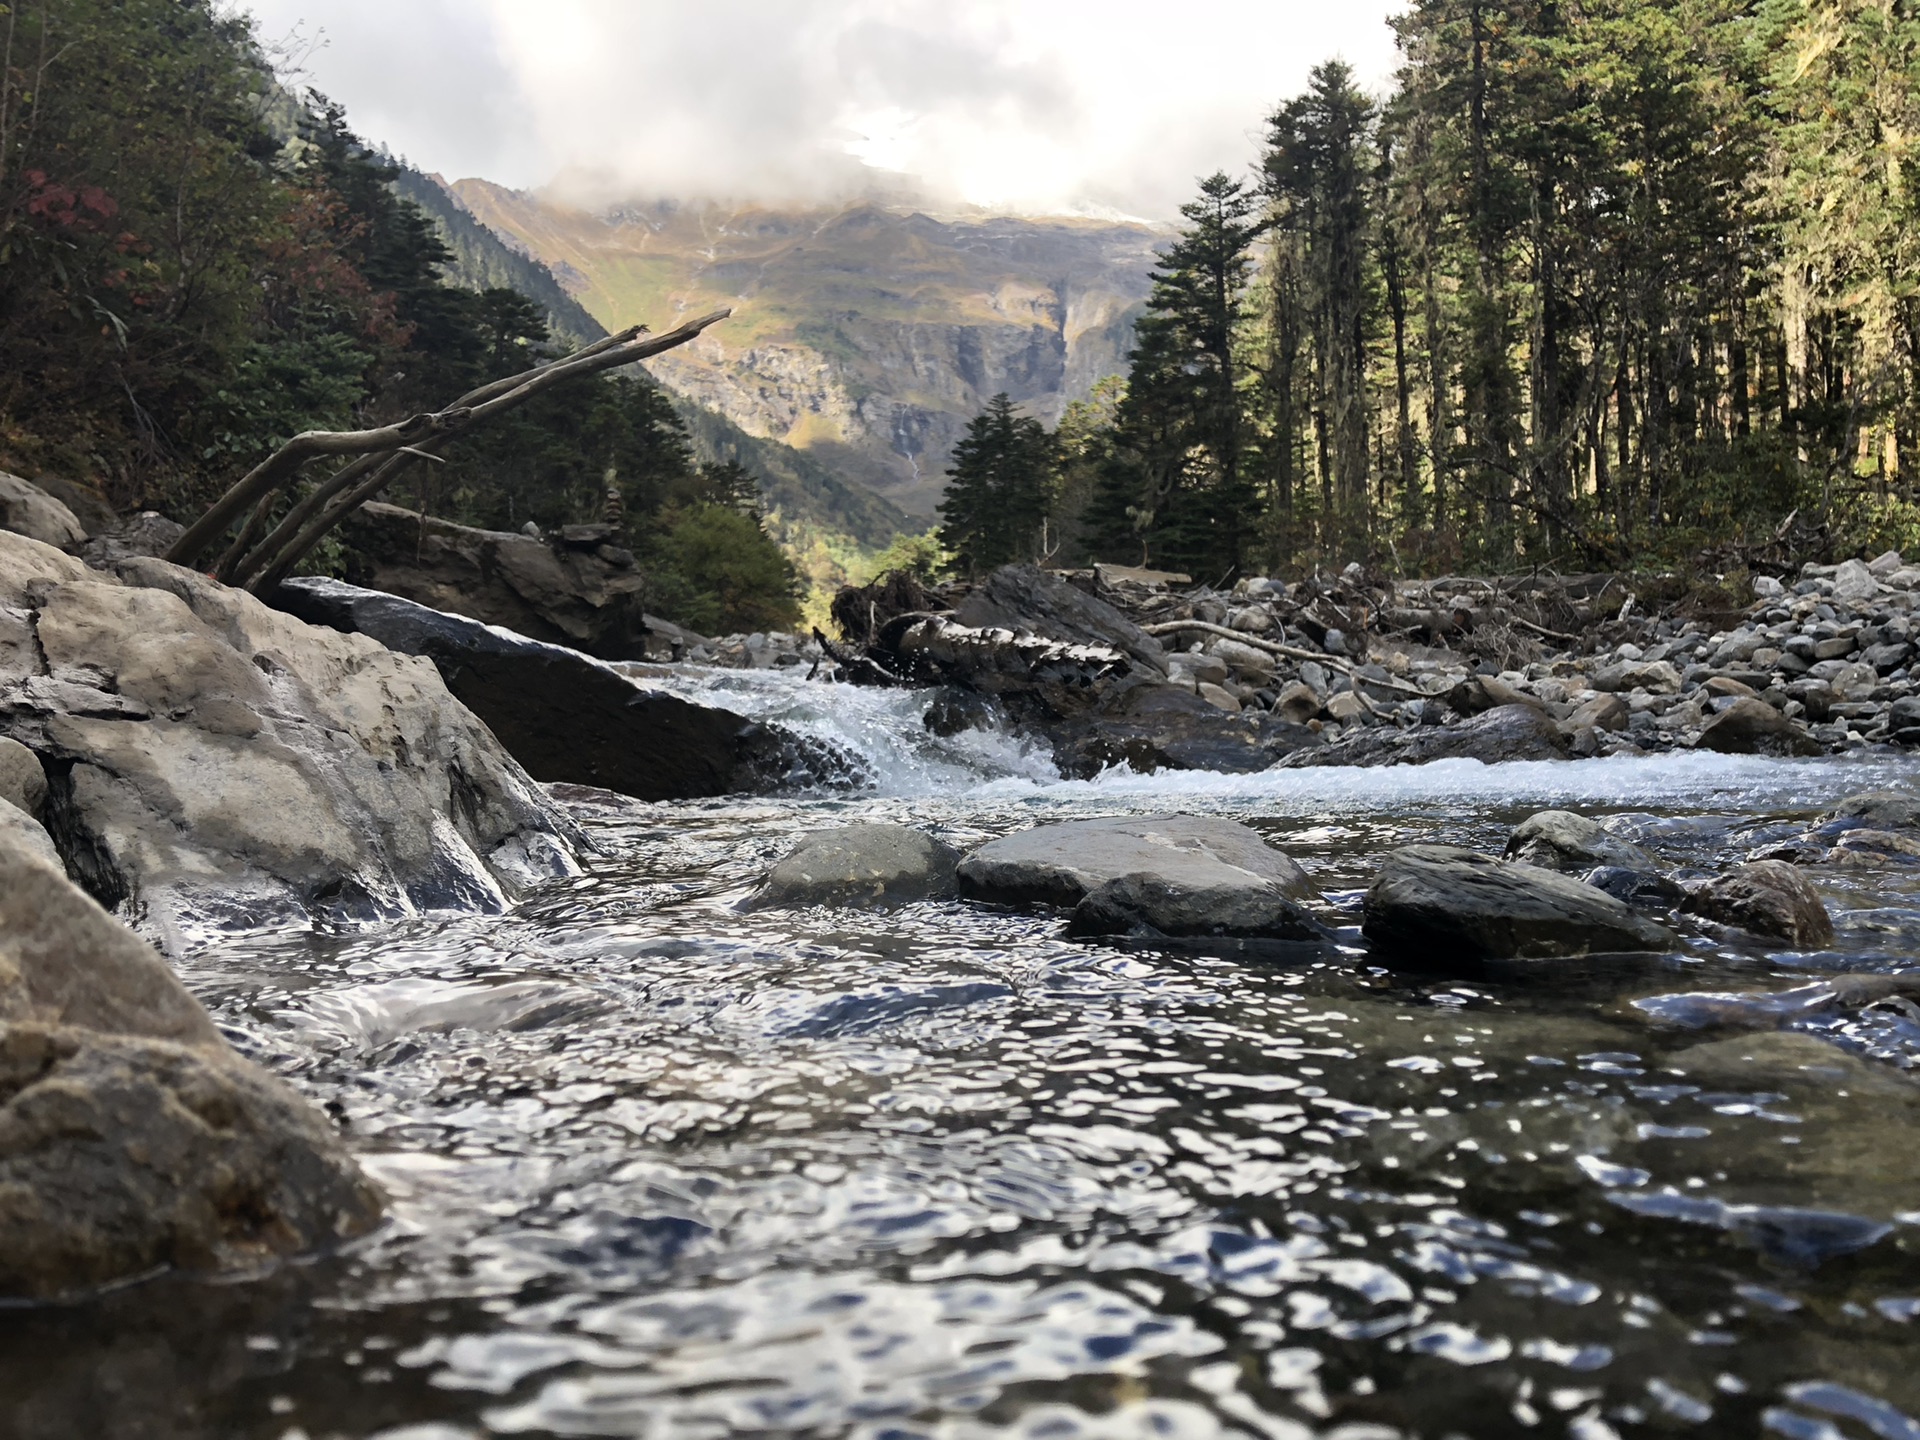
196,264
1600,282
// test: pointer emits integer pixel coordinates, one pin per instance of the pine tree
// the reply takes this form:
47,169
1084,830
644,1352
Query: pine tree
1178,487
1000,489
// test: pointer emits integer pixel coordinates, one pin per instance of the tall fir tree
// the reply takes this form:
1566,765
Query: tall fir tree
1000,489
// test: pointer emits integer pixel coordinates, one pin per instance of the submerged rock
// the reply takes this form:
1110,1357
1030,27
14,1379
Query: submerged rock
1572,844
861,866
1182,906
1766,1009
1766,897
208,757
1881,809
1170,872
131,1136
1442,904
569,718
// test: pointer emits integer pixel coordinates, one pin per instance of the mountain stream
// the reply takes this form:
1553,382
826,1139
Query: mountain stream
661,1169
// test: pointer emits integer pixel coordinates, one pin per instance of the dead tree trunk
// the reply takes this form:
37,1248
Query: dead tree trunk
260,563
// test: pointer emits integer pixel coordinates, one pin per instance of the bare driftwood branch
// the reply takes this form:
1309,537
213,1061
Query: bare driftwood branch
381,454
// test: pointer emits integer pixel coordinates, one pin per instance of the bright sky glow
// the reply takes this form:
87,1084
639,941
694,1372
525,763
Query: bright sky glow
1030,105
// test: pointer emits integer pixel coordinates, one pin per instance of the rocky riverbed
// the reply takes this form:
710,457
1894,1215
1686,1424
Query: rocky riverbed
1478,1007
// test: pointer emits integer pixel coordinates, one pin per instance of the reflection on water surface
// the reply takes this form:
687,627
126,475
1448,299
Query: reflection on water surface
663,1170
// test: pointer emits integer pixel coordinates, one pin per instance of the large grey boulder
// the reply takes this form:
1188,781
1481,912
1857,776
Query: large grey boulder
1177,874
131,1136
26,509
861,866
572,719
1769,898
578,587
211,759
1882,809
1444,905
1573,844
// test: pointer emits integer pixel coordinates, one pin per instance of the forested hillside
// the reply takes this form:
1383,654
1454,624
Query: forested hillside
1600,280
189,275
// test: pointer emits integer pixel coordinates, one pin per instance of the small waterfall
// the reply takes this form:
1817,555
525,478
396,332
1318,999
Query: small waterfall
885,728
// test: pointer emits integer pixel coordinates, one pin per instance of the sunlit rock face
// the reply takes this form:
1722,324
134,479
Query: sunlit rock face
870,336
209,761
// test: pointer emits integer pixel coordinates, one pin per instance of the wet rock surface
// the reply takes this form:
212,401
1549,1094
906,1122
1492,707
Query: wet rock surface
210,760
571,719
865,866
1061,865
131,1136
1768,897
1440,904
1573,844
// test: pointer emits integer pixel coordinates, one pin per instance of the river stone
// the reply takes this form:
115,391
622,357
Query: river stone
26,509
1158,905
1440,903
1025,597
22,782
571,719
121,1154
1572,844
214,761
1883,809
1061,864
1507,732
1149,725
1753,727
131,1136
861,866
1769,898
1602,712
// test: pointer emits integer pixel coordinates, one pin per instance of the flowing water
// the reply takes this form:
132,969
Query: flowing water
660,1169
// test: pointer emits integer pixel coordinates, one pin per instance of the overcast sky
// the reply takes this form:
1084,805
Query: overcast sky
1035,105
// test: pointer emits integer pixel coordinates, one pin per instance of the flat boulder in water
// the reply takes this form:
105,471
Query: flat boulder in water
1177,874
1443,904
861,866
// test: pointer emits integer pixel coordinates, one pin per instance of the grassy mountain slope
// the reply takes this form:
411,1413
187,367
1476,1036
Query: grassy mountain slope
803,496
865,336
483,261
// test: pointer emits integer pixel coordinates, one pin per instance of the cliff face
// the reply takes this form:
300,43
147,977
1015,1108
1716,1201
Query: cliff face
866,336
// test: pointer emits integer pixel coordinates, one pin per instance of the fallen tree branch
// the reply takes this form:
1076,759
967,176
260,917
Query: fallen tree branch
382,454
